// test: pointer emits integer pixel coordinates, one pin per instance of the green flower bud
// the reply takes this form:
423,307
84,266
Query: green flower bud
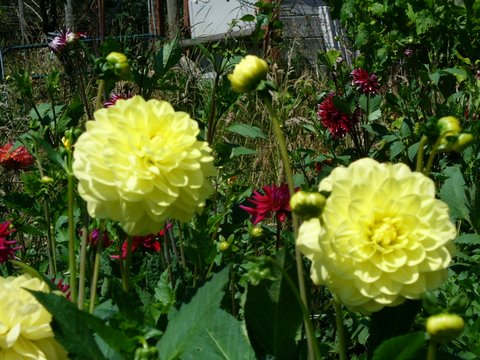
462,142
46,180
224,246
257,232
448,126
307,204
120,65
444,327
248,73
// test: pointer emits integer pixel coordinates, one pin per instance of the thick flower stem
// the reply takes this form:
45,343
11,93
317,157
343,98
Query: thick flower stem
267,100
96,266
433,153
342,348
420,152
432,350
72,260
100,90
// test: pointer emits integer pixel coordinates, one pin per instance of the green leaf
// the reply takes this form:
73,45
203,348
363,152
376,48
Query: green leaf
273,315
468,239
247,17
240,150
377,114
188,323
222,338
403,347
460,74
247,131
167,57
453,193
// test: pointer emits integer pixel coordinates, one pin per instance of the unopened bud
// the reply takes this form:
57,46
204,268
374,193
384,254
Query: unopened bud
46,180
462,142
224,246
120,64
257,232
248,73
307,204
444,327
66,143
449,126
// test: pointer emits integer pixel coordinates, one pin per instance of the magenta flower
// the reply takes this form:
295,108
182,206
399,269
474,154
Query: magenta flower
276,200
364,81
114,97
63,38
7,247
93,238
64,288
336,121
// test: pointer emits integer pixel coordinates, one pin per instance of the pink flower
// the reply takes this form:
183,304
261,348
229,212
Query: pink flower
114,97
7,248
63,38
364,81
276,200
336,121
17,159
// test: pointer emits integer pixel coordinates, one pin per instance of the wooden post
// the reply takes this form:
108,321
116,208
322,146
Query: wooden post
172,15
69,19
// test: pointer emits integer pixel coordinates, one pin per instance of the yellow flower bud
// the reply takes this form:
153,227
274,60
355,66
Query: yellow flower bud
66,143
248,73
257,232
444,327
449,126
223,246
120,64
46,180
307,204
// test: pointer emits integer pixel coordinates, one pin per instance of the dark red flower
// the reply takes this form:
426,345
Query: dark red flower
336,121
64,288
17,159
114,97
149,242
364,81
276,200
93,238
7,247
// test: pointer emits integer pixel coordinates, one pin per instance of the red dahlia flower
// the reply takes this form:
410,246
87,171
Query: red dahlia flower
64,288
17,159
276,200
364,81
336,121
7,247
93,238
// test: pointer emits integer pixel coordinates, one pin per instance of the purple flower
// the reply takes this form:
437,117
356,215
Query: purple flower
63,38
114,97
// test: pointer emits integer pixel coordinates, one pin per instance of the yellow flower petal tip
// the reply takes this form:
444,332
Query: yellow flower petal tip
139,163
248,73
382,237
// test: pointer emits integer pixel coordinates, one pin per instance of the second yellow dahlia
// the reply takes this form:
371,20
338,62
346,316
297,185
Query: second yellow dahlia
382,237
140,163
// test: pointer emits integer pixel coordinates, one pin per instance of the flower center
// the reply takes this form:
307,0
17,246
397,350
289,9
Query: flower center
384,234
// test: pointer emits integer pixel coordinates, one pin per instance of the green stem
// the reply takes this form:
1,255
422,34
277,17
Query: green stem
83,259
98,101
96,266
128,264
342,345
432,350
420,152
429,165
72,261
267,100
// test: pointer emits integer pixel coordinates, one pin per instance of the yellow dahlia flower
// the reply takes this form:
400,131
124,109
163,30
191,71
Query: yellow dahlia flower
248,73
25,331
140,163
382,237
